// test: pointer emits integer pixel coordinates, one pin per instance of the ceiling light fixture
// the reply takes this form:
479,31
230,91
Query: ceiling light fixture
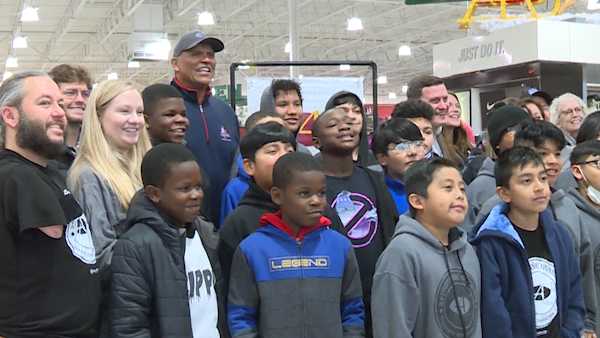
30,14
160,48
133,64
404,50
19,42
112,76
288,47
392,96
404,89
382,79
344,67
206,19
354,24
12,62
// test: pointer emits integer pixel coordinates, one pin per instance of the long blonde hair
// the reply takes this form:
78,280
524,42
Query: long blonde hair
120,170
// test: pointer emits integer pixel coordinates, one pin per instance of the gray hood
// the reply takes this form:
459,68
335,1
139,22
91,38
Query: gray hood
267,101
416,276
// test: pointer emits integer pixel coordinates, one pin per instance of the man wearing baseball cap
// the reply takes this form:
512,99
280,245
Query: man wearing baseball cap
213,133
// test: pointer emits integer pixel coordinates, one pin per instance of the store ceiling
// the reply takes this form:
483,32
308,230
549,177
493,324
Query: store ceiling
95,33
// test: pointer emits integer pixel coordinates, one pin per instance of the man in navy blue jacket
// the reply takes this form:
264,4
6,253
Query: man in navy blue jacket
213,134
530,280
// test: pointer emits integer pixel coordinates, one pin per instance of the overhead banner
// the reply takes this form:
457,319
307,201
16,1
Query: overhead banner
315,90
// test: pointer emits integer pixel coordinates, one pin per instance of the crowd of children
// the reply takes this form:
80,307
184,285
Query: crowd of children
356,235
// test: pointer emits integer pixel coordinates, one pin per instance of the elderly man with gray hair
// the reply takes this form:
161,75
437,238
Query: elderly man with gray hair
49,283
567,112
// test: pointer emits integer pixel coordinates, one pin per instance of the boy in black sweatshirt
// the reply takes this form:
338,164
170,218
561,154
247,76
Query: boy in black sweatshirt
358,195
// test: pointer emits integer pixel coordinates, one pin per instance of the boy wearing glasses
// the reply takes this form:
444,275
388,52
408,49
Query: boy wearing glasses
75,83
585,166
397,144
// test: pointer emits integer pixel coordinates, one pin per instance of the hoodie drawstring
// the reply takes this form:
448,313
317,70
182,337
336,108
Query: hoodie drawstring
458,305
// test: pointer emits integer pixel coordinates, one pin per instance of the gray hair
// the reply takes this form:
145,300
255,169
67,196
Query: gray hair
12,92
555,113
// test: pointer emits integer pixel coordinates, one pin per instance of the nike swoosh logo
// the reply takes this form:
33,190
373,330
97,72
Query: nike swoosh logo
490,106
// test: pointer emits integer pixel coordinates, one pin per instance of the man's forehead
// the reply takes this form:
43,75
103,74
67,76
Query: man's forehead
438,89
64,85
41,85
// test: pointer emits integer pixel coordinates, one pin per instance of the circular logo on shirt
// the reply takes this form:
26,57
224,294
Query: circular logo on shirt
358,215
450,299
544,291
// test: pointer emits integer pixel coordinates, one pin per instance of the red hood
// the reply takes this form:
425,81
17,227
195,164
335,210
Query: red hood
276,220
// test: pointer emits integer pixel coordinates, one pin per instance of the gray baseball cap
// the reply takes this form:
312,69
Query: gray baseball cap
192,39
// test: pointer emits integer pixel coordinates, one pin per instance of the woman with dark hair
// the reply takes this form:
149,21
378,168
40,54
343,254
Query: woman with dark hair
454,140
532,106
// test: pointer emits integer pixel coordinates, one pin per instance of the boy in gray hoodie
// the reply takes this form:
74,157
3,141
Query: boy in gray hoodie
585,166
427,281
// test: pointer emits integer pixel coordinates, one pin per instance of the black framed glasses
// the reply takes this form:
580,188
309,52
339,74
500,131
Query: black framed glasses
594,163
72,93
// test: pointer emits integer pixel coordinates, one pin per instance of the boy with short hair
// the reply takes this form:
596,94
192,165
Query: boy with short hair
548,141
165,114
421,114
295,276
237,187
358,195
531,284
165,272
397,144
427,282
284,97
585,166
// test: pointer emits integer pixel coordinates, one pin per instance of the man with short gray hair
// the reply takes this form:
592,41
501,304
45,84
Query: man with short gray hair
49,283
567,112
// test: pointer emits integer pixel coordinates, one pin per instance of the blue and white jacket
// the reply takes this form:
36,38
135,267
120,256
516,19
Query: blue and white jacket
507,300
286,285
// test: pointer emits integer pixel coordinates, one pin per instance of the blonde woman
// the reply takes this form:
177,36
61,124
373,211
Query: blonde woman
106,171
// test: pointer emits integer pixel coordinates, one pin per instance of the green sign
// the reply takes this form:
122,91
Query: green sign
222,92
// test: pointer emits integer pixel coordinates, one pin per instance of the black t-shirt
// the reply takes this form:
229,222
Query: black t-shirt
48,287
354,200
543,275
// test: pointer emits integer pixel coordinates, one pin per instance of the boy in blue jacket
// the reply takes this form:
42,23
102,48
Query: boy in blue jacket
530,280
294,276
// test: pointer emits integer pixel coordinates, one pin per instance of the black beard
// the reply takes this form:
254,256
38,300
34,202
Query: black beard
32,135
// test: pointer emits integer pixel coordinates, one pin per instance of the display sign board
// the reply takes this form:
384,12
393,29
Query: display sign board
425,2
544,40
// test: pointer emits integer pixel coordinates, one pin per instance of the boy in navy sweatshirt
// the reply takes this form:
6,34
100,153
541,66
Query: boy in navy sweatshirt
530,279
294,276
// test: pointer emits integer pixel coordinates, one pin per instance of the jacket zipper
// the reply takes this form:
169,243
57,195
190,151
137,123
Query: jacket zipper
300,256
203,116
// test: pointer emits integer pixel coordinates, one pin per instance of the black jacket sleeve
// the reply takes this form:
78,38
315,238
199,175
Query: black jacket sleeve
386,208
130,293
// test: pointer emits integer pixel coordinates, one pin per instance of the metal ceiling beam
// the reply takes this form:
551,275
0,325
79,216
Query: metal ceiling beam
64,24
116,17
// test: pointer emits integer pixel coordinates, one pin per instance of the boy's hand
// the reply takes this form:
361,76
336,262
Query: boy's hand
588,334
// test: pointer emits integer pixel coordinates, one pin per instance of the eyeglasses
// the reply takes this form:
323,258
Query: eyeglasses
594,163
72,93
572,111
405,146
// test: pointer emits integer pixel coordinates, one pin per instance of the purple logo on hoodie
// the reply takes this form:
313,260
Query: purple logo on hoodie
359,216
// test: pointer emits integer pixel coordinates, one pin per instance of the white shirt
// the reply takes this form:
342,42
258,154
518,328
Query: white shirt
201,289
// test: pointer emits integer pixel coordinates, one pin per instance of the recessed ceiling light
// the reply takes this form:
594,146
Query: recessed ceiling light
288,47
382,79
354,24
112,76
345,67
404,50
30,14
206,19
133,64
12,62
19,42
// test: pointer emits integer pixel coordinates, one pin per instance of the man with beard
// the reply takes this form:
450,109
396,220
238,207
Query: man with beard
75,84
49,283
213,134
